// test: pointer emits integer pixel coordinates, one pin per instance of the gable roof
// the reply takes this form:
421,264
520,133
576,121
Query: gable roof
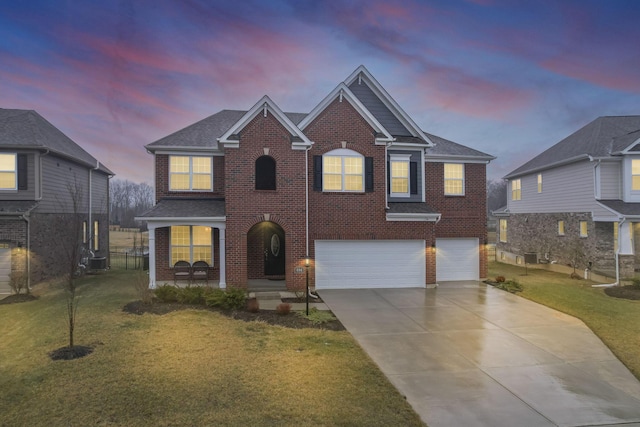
604,137
26,129
264,105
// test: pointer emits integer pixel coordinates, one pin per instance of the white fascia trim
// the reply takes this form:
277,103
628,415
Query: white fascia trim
456,159
344,92
190,150
167,222
263,105
632,145
424,217
388,101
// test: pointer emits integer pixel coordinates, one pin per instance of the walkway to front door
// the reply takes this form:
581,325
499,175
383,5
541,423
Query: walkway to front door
465,354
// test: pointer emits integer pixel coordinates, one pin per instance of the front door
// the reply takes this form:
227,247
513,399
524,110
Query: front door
273,248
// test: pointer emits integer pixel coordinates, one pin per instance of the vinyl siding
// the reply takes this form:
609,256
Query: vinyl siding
57,175
378,109
610,179
565,189
100,189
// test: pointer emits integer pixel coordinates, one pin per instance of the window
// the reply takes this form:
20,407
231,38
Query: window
583,229
615,236
265,173
453,179
635,174
95,236
560,228
400,173
8,172
516,190
539,183
503,230
191,243
190,173
343,170
84,232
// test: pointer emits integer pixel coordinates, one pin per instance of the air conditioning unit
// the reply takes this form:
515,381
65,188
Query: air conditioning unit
530,258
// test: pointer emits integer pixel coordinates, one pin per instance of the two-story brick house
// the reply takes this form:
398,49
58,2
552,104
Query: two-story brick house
42,171
578,202
355,185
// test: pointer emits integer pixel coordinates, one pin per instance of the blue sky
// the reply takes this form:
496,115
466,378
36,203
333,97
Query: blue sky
509,78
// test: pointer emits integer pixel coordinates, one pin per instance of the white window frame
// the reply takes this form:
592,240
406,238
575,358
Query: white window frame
342,153
190,245
516,189
584,228
502,231
539,183
191,174
400,158
460,178
13,171
561,227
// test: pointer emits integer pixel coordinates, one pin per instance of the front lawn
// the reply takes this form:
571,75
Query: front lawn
616,321
185,368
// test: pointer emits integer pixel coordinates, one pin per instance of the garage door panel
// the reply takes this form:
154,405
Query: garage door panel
348,264
457,259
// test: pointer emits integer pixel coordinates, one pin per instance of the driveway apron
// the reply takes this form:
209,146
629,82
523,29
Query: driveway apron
467,354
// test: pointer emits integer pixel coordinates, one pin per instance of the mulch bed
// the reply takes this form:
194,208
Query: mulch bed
17,298
70,353
625,292
291,320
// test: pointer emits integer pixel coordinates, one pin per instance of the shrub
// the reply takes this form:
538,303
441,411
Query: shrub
635,282
500,279
141,285
253,306
318,317
191,295
231,299
167,293
283,308
18,281
510,286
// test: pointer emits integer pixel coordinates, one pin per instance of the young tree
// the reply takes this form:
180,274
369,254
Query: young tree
68,229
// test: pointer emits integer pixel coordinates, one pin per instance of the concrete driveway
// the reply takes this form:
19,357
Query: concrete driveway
467,354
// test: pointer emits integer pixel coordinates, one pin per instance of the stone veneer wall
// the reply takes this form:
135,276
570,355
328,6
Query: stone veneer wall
539,233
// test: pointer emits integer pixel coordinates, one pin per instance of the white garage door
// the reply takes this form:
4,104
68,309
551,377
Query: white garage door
349,264
457,259
5,270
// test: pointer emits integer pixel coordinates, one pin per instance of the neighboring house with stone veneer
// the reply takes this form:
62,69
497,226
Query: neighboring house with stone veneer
355,184
38,166
580,197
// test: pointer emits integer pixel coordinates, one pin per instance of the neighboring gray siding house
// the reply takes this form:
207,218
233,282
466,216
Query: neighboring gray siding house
38,166
578,203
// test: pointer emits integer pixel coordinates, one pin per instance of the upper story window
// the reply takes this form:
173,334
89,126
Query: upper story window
343,170
399,166
8,172
516,190
635,174
539,183
502,232
190,173
265,173
453,179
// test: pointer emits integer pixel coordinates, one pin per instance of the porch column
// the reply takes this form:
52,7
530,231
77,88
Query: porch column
152,255
223,256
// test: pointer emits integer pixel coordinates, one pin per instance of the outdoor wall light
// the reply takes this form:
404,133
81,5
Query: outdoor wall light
433,247
307,262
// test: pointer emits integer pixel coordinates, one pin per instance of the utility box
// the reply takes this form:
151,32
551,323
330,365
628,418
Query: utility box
530,258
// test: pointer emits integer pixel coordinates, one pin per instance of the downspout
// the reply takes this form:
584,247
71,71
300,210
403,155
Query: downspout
90,225
25,216
306,196
386,181
617,282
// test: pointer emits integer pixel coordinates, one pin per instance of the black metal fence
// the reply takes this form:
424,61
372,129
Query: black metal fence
129,260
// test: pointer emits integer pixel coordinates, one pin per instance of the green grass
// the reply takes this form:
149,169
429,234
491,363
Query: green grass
184,368
616,321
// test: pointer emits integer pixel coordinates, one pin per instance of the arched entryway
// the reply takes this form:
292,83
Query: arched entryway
266,251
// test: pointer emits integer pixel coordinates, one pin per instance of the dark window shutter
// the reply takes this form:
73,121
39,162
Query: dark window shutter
317,173
368,174
388,177
22,172
413,178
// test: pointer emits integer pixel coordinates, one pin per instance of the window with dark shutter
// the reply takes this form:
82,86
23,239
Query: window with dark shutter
265,173
23,176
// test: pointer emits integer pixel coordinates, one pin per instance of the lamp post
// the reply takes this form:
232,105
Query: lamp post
307,261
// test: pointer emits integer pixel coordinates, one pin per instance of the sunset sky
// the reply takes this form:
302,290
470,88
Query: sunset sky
509,78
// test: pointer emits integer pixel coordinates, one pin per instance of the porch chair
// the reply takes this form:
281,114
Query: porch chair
200,271
182,271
